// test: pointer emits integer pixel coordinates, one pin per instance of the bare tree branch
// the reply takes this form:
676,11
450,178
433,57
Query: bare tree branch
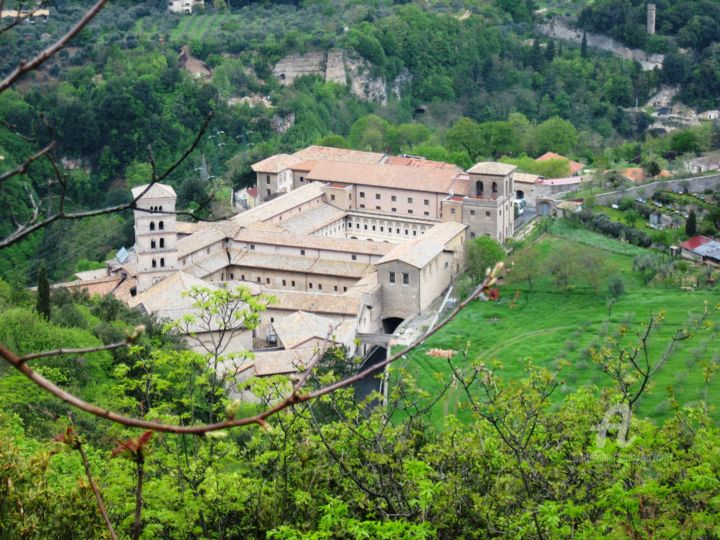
25,67
58,352
34,225
20,169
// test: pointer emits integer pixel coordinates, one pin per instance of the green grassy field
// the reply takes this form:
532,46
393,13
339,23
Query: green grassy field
546,325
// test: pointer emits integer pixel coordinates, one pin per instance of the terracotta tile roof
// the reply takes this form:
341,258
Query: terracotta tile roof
268,363
300,327
326,153
419,162
636,174
280,205
492,168
315,218
200,240
560,181
420,252
313,242
575,167
331,304
156,191
695,242
391,176
526,178
291,263
275,164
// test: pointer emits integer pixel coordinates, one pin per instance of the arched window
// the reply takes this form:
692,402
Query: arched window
160,208
152,244
162,263
479,187
152,225
162,243
161,225
154,263
494,190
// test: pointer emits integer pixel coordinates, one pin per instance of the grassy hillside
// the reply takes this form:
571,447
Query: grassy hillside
548,326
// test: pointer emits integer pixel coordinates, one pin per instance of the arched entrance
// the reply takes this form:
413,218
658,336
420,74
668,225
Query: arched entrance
390,324
519,194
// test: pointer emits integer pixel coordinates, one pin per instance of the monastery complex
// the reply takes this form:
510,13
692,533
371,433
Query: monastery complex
348,243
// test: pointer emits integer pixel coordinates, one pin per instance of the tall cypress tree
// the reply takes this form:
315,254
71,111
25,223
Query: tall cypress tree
550,51
691,224
583,45
43,293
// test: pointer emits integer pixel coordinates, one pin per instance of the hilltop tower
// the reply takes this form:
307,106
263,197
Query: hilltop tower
155,234
651,19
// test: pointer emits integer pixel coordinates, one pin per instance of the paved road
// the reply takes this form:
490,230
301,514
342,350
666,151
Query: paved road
527,216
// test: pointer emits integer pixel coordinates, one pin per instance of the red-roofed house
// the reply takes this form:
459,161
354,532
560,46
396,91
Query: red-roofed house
701,249
575,167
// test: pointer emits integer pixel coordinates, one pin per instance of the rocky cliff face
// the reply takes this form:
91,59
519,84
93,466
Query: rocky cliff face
339,67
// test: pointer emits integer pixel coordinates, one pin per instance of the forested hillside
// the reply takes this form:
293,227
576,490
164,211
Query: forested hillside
120,89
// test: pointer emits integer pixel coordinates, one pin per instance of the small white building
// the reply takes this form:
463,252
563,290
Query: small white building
185,6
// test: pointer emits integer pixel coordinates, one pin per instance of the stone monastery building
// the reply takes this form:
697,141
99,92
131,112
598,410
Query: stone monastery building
348,242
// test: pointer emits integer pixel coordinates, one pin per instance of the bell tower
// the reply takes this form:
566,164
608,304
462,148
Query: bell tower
155,234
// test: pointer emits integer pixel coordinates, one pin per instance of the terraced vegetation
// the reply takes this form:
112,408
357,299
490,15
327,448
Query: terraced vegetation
550,327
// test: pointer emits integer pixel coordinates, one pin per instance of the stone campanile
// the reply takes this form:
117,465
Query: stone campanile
155,234
651,19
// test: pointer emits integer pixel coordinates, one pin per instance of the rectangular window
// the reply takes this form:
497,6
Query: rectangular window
292,283
302,252
267,179
252,246
362,194
302,179
336,288
362,206
377,196
409,200
426,202
487,214
354,257
410,211
452,210
394,209
242,277
472,212
258,279
393,198
320,286
426,213
377,208
406,278
309,285
332,197
284,283
392,277
344,289
267,280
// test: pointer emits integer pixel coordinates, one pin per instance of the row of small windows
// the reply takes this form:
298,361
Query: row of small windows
160,226
393,198
155,263
154,245
156,208
405,278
